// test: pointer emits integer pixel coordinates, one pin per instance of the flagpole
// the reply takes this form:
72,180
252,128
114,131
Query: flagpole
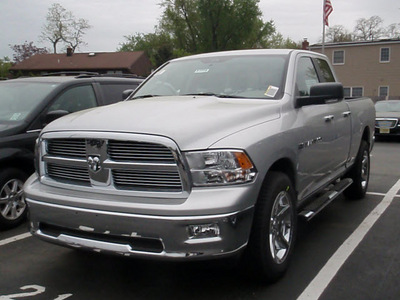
323,26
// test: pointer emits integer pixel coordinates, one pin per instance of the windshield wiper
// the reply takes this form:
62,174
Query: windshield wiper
144,96
213,94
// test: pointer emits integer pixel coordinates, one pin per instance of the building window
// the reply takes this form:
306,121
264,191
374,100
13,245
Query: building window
357,91
347,92
385,55
338,57
353,91
383,91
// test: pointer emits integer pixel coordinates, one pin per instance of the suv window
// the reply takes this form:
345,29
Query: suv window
306,76
113,91
75,99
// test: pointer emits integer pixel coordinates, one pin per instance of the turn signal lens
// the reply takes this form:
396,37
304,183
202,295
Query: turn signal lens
243,160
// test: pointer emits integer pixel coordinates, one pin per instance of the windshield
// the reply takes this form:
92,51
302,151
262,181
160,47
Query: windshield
256,76
18,99
387,106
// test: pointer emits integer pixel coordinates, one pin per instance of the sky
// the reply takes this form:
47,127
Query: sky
112,20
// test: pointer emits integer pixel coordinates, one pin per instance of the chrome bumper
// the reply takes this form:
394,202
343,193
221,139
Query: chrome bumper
139,235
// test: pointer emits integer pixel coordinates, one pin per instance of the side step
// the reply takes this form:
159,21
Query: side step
312,209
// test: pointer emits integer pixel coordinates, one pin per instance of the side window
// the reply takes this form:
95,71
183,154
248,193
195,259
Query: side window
306,76
113,92
75,99
326,71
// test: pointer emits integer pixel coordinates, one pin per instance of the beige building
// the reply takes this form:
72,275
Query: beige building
370,68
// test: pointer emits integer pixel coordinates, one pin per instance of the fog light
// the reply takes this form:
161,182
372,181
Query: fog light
203,231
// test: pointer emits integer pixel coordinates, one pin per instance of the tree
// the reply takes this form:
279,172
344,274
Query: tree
5,65
369,29
208,25
393,31
62,27
337,34
26,50
277,41
75,32
158,46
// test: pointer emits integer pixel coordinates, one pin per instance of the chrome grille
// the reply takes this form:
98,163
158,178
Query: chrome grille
386,123
68,173
67,147
127,165
138,151
145,180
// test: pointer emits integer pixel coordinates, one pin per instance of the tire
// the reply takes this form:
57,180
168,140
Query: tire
359,173
12,201
274,229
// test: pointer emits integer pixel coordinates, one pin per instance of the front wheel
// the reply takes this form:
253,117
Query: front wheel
12,201
274,229
359,173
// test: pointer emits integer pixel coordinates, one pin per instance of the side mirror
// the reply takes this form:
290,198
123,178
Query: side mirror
55,114
126,93
320,93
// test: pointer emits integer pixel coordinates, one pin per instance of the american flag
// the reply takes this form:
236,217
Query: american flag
328,8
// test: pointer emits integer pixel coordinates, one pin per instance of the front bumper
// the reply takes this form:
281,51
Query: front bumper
144,235
387,127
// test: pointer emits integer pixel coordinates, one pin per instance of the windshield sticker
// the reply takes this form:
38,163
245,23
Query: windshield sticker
199,71
271,91
15,117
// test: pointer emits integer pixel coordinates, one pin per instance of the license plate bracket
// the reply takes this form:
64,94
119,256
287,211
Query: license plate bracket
384,130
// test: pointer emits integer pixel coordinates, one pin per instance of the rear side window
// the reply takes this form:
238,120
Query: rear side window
75,99
113,92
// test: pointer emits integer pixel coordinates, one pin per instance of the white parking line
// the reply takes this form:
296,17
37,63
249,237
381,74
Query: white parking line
380,194
15,238
315,289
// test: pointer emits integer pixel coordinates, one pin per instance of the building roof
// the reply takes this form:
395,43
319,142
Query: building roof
133,62
356,43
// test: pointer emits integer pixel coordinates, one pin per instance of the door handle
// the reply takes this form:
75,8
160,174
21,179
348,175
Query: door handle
346,114
329,118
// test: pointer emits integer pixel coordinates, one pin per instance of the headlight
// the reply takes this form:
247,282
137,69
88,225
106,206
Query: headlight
220,167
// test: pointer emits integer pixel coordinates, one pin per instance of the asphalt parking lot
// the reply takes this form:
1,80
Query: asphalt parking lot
349,251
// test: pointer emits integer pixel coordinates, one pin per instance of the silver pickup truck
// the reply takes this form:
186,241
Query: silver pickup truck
214,155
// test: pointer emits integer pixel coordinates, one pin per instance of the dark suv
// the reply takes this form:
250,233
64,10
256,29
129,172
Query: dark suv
26,106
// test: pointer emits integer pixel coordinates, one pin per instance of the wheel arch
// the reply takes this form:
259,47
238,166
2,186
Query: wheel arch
366,136
283,165
23,164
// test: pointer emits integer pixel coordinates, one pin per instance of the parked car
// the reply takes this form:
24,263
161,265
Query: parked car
26,106
387,118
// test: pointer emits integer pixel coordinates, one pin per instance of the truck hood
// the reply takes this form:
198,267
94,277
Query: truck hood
388,115
193,122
